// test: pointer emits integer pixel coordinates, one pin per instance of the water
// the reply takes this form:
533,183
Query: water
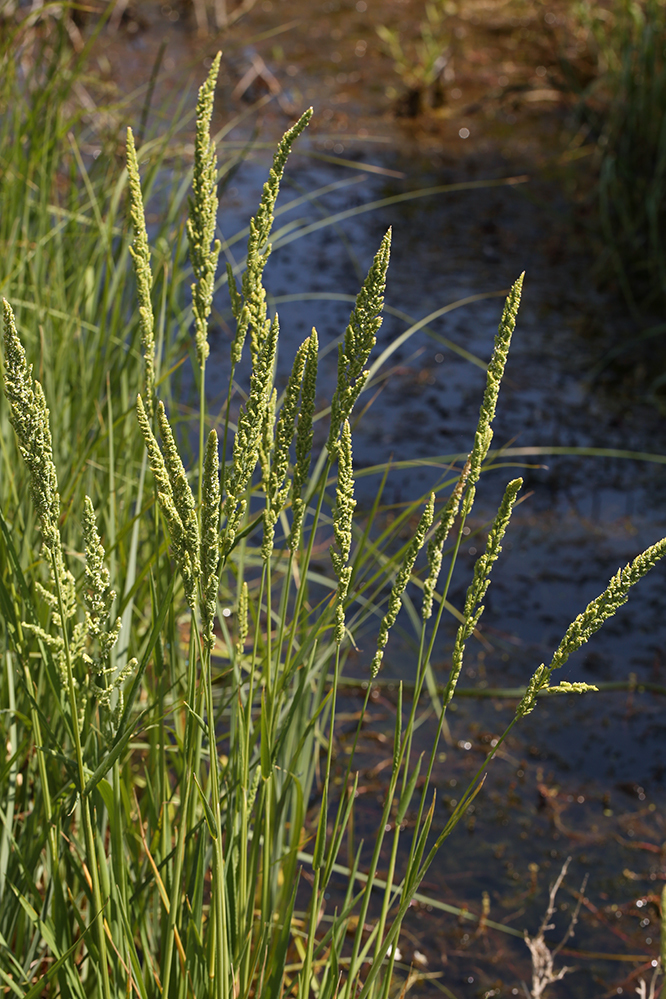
581,776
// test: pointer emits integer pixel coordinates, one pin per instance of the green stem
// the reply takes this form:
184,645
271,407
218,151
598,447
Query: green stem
85,805
174,902
223,474
300,595
202,419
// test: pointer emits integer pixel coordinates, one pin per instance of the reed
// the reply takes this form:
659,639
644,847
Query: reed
172,655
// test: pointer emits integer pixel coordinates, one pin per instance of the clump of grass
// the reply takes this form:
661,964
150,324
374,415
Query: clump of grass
419,63
624,104
168,760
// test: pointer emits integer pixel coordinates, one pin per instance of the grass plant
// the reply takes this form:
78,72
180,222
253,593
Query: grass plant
173,804
623,100
420,63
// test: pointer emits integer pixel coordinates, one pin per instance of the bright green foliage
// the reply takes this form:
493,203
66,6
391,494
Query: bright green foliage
144,278
204,248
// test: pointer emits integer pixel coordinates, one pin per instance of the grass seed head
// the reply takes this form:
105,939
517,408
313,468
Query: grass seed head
480,583
342,526
253,315
204,248
400,584
304,438
438,540
210,536
360,338
140,252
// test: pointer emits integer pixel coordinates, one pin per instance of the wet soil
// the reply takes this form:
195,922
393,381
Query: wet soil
581,776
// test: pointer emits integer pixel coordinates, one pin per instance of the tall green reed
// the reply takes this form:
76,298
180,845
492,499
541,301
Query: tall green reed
162,840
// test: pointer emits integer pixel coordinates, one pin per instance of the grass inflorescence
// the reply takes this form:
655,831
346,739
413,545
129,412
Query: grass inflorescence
176,651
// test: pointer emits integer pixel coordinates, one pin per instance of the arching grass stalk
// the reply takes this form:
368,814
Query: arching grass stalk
467,484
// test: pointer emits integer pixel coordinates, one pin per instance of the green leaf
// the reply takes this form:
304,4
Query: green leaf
208,811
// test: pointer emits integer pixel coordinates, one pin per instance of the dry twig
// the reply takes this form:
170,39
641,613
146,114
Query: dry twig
543,958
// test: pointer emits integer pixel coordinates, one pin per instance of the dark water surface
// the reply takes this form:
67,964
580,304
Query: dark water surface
581,776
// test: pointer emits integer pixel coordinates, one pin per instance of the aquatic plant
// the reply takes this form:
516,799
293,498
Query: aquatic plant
419,64
178,690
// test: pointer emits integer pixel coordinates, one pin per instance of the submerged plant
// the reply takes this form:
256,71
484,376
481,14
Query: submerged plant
180,778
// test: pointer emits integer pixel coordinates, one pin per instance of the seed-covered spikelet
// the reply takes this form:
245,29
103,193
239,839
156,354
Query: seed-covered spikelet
243,623
210,536
165,494
267,442
29,417
265,455
592,618
342,526
484,433
203,214
98,597
360,338
276,484
253,314
234,295
183,496
438,540
286,424
144,279
400,584
304,436
248,439
480,582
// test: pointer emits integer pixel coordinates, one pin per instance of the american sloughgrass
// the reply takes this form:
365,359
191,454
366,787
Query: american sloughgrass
158,839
